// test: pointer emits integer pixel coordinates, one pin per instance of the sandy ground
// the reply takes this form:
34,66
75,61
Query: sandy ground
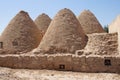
25,74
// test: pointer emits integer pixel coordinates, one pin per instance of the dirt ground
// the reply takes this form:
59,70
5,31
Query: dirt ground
25,74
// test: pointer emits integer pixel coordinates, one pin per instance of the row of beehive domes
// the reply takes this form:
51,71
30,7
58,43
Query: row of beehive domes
65,33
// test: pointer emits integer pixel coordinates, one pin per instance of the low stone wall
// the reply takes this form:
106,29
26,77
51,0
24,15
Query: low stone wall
62,62
102,44
96,64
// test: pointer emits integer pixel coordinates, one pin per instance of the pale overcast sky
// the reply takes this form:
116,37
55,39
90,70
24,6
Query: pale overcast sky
104,10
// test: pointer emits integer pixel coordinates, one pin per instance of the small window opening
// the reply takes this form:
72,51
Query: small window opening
1,44
107,62
61,66
15,43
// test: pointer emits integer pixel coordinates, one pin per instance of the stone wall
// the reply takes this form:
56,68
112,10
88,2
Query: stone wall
114,28
62,62
102,44
96,64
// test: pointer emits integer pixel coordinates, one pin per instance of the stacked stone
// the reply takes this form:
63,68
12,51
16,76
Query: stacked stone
89,23
64,34
102,44
42,22
21,34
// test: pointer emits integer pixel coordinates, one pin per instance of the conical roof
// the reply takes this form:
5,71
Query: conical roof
42,22
89,22
64,34
115,25
21,34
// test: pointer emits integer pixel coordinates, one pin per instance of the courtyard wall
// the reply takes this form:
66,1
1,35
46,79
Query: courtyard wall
62,62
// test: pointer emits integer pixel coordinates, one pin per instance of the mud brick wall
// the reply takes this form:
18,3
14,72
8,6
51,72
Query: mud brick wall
102,44
62,62
96,64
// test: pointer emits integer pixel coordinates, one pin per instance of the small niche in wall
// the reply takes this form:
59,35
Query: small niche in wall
62,66
1,45
107,62
15,43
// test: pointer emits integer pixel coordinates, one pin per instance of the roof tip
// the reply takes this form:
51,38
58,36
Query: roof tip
86,10
44,14
23,12
118,16
65,9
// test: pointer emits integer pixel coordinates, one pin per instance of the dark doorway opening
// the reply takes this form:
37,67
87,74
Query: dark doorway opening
107,62
62,66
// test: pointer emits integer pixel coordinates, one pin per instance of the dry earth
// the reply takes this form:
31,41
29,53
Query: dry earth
25,74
